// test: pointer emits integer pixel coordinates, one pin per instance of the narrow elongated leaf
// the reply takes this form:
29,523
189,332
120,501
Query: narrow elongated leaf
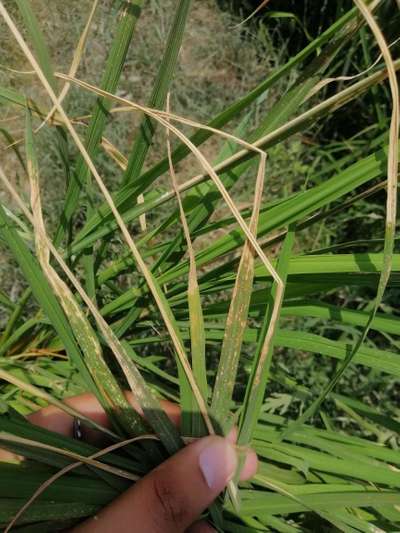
16,314
44,59
112,397
236,322
296,208
233,110
391,208
159,296
314,308
123,199
258,505
44,295
337,270
24,481
262,361
148,402
129,15
192,424
159,93
382,360
42,511
38,41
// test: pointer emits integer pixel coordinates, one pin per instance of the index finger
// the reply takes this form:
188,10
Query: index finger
56,420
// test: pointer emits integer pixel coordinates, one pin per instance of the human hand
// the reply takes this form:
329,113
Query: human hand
169,499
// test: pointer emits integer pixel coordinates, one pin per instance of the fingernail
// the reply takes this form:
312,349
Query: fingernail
218,462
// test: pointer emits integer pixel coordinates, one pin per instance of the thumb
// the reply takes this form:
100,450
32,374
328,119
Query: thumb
171,497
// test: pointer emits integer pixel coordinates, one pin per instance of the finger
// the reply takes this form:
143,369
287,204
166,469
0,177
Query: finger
9,457
173,495
59,421
56,420
250,465
251,461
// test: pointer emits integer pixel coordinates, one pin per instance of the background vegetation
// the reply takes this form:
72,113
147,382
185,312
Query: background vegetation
324,199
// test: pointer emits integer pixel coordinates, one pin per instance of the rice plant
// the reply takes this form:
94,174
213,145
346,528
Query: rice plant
163,284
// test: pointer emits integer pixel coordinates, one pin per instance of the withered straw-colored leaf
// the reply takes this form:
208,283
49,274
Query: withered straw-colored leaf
197,336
